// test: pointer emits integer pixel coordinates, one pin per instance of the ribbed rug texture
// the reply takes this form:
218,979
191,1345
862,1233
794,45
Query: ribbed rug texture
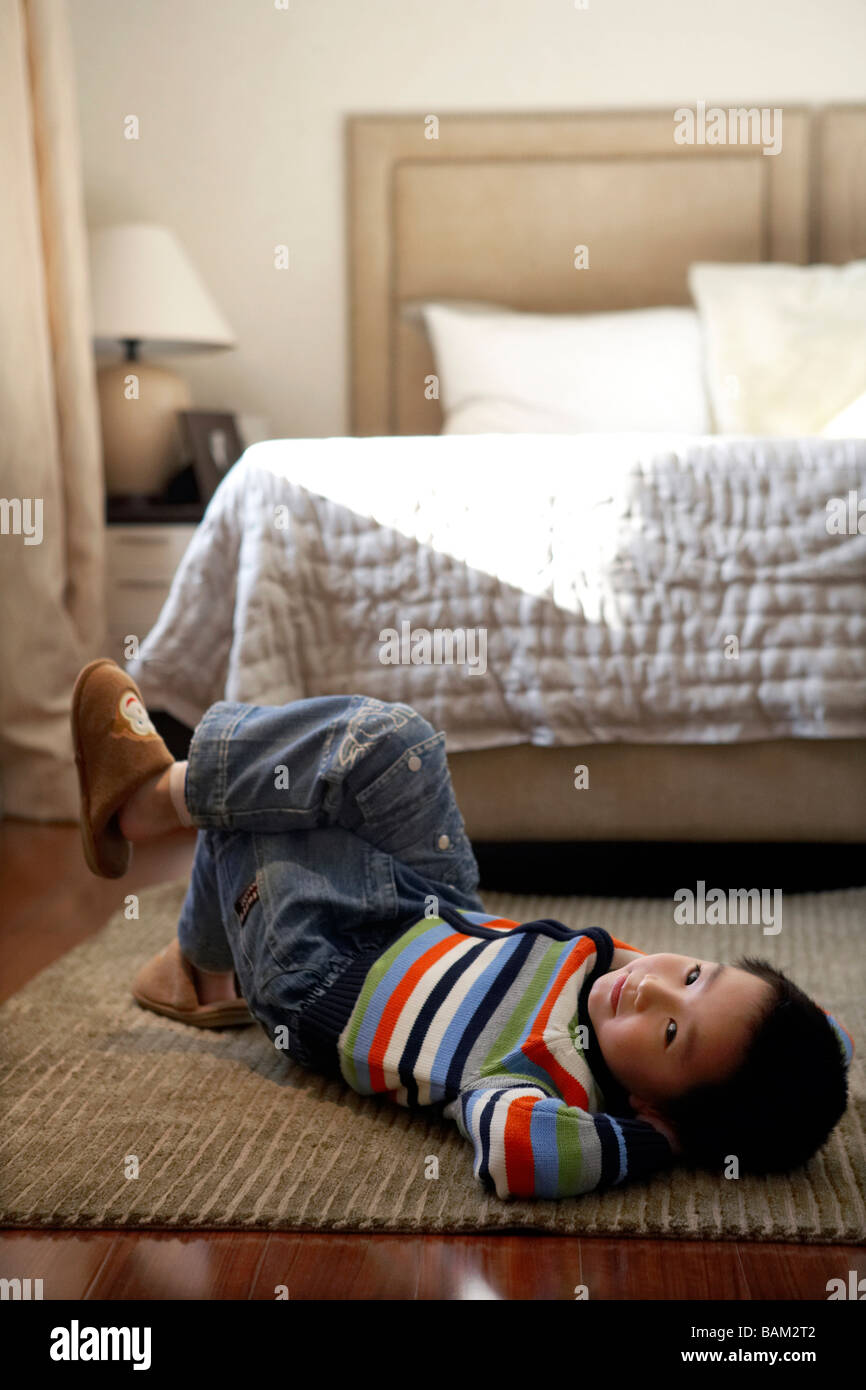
225,1132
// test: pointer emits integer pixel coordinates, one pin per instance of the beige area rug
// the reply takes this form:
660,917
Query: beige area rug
230,1134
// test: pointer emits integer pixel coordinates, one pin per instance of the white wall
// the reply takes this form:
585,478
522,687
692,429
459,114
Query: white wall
241,108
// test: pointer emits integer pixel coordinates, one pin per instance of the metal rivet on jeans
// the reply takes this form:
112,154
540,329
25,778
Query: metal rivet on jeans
414,763
443,842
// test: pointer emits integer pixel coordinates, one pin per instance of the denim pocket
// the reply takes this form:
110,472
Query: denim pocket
410,812
415,785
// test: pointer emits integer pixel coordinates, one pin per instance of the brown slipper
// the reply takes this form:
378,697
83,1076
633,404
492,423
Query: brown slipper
166,985
117,750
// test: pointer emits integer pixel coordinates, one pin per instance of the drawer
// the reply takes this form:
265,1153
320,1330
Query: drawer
145,552
134,605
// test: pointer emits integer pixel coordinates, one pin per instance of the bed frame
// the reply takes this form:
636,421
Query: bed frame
492,208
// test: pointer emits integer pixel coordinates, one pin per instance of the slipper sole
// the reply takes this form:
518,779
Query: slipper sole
206,1016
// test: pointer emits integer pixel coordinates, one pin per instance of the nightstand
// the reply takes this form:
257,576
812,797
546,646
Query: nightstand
140,564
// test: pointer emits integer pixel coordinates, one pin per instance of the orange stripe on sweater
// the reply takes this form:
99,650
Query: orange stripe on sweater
536,1048
519,1160
623,946
394,1007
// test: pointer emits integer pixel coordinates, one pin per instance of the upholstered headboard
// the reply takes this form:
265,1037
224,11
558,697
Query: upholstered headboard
494,208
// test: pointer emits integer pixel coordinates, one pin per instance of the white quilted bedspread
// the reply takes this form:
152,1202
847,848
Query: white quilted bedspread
628,588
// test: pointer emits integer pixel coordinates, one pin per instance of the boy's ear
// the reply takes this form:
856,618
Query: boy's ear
648,1112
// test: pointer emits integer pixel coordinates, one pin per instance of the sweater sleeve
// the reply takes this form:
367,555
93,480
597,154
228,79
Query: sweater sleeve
530,1144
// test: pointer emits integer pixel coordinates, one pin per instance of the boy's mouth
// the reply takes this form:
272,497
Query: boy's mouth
617,989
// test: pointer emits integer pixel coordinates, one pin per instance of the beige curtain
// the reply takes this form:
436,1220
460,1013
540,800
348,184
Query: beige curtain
51,489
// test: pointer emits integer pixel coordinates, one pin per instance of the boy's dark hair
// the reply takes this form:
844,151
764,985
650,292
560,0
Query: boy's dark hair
785,1097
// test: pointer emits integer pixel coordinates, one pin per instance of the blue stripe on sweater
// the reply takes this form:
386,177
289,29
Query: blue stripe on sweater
381,995
542,1134
614,1160
482,1013
450,1043
425,1017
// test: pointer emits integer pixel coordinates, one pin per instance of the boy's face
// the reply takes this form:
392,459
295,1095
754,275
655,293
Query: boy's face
679,1021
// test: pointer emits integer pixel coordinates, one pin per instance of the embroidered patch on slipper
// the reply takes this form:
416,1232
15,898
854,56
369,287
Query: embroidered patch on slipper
132,710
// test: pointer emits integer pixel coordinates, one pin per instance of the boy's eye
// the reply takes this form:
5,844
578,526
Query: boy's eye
672,1023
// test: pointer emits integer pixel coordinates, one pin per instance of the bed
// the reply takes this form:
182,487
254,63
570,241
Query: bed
675,645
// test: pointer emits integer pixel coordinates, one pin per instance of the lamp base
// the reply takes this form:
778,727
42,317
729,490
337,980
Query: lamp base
141,441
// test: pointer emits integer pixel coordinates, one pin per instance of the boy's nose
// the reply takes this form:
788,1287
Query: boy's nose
649,988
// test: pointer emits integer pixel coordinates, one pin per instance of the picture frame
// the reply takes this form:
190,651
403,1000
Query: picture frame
214,443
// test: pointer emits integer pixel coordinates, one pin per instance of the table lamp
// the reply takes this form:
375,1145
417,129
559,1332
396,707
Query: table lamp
145,290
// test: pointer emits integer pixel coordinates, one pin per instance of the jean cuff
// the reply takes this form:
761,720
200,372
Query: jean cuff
207,765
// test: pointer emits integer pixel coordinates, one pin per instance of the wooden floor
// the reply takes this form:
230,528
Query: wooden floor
49,902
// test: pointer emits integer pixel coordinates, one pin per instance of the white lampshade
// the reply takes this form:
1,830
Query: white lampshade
144,286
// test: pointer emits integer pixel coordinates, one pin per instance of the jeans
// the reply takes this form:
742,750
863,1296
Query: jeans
325,827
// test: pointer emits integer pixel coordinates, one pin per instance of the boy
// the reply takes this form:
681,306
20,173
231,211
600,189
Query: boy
333,899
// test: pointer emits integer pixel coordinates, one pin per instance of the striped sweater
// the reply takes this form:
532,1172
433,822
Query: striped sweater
488,1018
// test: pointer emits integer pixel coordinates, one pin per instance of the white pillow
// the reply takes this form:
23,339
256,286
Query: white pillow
785,344
849,423
502,371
